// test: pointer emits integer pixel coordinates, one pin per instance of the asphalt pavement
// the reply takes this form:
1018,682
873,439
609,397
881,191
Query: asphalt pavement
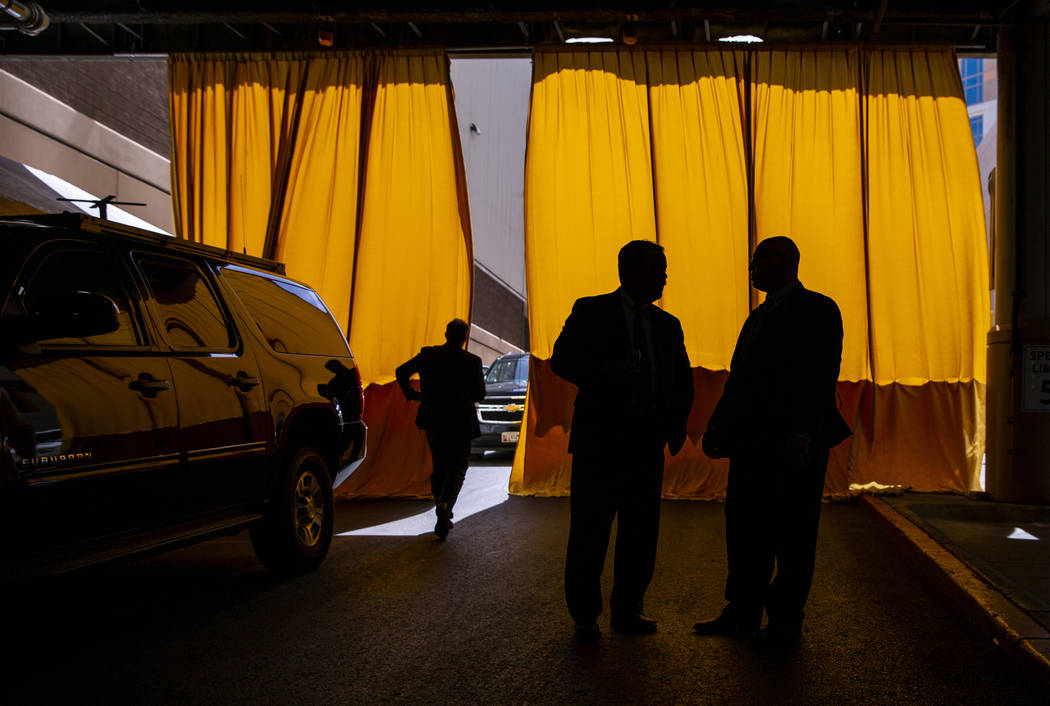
396,616
990,559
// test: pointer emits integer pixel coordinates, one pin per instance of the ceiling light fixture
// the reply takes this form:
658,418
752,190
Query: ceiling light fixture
629,33
745,38
588,40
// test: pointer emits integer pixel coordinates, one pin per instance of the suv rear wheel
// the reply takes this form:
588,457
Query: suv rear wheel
296,530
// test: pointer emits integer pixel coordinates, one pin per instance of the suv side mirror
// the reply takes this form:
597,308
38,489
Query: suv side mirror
65,315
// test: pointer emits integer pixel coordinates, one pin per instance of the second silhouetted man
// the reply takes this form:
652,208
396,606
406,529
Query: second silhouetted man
776,421
629,361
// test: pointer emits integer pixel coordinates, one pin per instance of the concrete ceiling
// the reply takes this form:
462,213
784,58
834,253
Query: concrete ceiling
84,27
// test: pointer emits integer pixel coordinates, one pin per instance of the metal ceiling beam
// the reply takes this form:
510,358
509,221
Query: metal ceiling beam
515,16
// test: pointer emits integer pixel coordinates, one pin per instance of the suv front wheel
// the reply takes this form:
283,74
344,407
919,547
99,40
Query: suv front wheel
296,530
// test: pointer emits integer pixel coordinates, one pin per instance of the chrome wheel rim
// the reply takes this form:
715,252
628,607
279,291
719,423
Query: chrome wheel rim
309,509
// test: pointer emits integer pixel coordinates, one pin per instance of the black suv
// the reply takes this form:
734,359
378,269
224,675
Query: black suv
156,392
501,412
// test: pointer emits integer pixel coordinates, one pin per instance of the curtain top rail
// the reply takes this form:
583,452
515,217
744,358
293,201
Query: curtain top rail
311,54
756,47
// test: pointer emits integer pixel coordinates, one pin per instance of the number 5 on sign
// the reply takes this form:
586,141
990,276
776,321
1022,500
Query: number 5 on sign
1036,361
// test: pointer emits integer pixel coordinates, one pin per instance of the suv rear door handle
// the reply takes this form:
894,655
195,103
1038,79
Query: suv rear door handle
148,385
243,382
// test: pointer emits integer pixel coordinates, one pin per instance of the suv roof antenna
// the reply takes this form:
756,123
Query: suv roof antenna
103,202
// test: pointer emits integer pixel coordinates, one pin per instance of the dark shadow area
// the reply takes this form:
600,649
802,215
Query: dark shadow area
481,618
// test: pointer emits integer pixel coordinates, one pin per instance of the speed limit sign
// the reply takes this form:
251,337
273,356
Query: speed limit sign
1036,378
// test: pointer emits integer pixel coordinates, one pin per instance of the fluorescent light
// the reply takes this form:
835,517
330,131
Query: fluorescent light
70,191
588,40
745,38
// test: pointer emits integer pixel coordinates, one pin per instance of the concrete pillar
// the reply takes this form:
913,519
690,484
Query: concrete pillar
1018,461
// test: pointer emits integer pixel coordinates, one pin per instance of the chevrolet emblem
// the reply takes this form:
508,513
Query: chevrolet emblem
514,408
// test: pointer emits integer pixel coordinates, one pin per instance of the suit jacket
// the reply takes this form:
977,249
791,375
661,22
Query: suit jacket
450,382
596,334
783,375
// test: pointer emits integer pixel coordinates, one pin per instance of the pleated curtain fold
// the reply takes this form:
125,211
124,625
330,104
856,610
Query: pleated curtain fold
863,157
346,166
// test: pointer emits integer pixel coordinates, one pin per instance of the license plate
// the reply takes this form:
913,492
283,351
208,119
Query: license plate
509,437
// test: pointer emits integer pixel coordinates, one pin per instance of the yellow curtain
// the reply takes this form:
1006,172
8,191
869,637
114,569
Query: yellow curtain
701,195
928,274
588,191
928,253
265,159
626,145
808,147
808,186
267,153
827,151
588,180
414,262
700,173
318,212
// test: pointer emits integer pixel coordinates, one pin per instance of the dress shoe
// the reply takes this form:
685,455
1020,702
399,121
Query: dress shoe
587,632
444,524
725,624
634,624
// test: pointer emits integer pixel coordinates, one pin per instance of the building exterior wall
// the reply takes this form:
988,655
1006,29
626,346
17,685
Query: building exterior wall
981,88
492,103
128,95
40,131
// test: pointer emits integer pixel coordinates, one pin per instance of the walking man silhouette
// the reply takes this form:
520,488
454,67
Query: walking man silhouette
450,382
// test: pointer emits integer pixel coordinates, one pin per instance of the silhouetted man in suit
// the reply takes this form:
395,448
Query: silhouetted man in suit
450,382
635,389
776,421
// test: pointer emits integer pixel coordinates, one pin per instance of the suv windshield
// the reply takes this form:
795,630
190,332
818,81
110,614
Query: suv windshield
509,370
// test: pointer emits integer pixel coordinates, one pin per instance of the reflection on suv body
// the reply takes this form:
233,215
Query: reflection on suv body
155,392
501,412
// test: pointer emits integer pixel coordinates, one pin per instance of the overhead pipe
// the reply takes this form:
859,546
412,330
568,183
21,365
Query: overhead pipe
27,17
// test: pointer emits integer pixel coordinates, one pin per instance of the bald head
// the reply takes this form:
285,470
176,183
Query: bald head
643,270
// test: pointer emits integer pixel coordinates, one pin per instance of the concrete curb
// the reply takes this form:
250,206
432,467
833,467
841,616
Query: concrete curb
1010,626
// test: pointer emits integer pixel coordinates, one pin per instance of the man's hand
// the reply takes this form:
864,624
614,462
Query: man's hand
713,442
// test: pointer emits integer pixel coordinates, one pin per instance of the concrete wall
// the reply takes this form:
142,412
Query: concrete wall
40,131
128,95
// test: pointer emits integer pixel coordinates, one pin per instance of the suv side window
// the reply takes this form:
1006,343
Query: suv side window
292,318
82,269
189,314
